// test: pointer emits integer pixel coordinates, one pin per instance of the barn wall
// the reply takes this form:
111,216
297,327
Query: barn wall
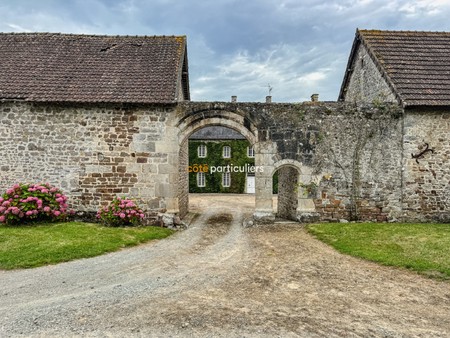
366,84
426,191
92,153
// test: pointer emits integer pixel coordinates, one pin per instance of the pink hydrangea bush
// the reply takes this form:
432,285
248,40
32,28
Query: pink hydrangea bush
121,212
25,203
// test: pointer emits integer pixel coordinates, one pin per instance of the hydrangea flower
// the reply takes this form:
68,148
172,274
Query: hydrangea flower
24,203
121,212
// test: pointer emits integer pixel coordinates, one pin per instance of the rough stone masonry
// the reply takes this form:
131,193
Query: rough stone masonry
347,162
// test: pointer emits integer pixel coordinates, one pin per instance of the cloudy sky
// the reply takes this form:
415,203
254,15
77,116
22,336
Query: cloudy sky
298,47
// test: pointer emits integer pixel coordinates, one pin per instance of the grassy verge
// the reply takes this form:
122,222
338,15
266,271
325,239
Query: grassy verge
32,246
424,248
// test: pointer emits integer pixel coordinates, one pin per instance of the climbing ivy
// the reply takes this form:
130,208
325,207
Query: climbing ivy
214,158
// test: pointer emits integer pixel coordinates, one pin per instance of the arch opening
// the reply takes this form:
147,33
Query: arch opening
296,188
227,182
286,180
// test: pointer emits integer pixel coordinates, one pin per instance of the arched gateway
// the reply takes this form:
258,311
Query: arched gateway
194,116
84,125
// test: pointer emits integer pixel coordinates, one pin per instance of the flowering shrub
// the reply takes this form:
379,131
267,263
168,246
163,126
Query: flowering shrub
121,212
32,203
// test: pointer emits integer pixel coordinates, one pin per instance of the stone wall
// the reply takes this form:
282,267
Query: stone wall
366,83
287,193
183,181
355,161
353,154
426,190
360,159
92,153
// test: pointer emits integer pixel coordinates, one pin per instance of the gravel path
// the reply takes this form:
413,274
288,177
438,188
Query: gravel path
218,279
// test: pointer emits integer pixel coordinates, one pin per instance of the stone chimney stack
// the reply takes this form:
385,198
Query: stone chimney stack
315,98
269,99
234,98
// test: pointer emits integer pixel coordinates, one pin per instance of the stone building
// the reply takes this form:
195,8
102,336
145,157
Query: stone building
101,116
216,148
411,69
91,114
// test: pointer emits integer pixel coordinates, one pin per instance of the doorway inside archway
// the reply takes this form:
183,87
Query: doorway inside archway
286,185
220,161
215,160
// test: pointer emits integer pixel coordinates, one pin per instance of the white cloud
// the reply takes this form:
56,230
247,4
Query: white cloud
238,48
17,28
291,70
424,7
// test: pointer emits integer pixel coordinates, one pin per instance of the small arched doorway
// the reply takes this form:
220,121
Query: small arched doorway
294,198
286,186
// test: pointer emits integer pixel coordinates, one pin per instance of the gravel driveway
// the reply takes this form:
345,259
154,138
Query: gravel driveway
218,279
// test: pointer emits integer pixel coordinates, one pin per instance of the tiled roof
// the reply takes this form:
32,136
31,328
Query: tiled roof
49,67
415,64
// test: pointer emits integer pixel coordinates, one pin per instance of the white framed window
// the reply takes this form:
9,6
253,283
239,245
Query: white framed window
201,150
226,179
226,152
201,182
250,152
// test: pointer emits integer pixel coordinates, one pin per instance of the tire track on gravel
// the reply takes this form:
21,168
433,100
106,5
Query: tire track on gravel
216,280
81,294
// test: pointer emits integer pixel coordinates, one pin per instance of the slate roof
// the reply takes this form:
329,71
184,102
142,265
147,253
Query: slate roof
216,133
416,65
48,67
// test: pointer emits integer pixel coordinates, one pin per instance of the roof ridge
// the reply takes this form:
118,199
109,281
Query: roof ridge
401,31
91,35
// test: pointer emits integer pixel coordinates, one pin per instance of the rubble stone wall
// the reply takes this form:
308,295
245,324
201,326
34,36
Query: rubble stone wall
426,191
366,84
92,153
354,161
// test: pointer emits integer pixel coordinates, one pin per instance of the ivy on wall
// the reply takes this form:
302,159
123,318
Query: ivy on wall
214,158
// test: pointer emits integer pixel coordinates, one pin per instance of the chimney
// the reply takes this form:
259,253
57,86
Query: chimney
315,98
234,98
269,99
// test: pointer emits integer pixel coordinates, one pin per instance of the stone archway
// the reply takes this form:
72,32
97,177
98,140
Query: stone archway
198,121
294,200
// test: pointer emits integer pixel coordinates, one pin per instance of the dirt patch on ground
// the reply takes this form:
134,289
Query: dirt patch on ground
218,279
216,226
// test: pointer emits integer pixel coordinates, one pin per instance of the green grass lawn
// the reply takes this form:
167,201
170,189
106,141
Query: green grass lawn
424,248
32,246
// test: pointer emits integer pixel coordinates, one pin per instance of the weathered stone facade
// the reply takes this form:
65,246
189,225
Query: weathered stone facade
406,68
287,196
366,83
356,160
426,190
93,153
